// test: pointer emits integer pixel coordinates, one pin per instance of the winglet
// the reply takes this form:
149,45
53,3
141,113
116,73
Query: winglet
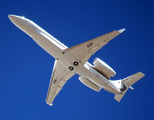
51,104
121,30
131,87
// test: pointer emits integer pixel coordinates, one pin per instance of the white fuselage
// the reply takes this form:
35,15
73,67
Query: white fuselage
56,49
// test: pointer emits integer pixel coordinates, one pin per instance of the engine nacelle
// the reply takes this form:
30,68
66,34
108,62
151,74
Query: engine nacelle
89,84
103,68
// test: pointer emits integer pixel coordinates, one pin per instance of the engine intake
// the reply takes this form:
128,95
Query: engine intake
103,68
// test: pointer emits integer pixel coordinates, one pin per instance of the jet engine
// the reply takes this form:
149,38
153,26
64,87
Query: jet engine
103,68
89,84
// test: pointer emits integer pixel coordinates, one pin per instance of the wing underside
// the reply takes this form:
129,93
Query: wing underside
83,52
59,77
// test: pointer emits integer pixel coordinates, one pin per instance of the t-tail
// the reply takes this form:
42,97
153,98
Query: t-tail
126,83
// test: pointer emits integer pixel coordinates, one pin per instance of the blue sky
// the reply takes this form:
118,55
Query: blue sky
26,68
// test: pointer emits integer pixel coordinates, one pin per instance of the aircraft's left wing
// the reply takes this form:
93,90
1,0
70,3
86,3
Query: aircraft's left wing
59,77
83,52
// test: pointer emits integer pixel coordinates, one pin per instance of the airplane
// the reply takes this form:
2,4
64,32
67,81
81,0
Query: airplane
74,60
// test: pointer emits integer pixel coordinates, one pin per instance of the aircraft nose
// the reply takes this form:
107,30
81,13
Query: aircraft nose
11,17
15,19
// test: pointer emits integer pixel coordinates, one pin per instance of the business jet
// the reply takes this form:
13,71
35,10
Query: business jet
74,60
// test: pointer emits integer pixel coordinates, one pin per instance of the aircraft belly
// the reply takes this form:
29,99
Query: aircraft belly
47,44
110,89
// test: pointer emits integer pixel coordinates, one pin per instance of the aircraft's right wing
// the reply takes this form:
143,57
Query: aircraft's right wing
83,52
59,77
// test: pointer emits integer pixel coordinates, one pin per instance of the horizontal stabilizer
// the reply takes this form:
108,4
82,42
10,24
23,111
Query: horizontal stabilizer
132,79
118,97
128,82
